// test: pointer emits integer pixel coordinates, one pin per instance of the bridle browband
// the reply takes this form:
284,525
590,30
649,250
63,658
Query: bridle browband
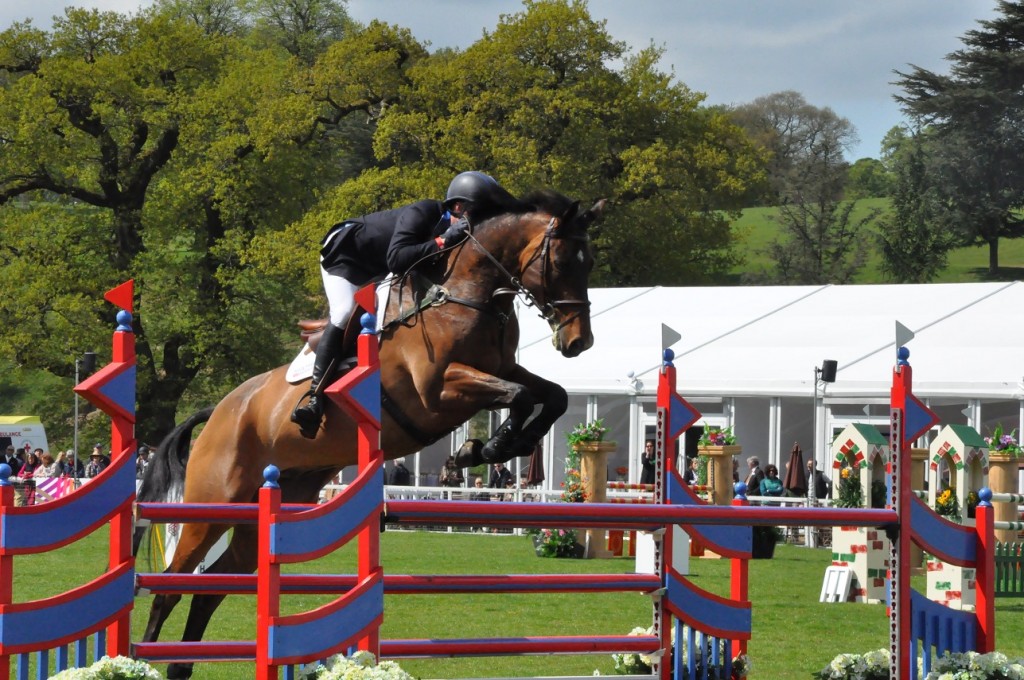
548,308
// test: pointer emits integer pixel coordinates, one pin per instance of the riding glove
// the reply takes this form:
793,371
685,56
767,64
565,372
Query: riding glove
455,233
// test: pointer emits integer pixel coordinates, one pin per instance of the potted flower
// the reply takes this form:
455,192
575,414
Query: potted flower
588,454
108,668
851,493
556,543
1004,450
717,447
1001,444
947,505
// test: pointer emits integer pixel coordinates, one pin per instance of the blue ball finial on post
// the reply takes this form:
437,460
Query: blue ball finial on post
740,489
984,496
902,354
124,321
368,322
271,474
5,474
667,356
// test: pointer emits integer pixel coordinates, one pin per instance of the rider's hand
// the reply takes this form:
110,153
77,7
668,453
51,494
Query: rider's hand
455,233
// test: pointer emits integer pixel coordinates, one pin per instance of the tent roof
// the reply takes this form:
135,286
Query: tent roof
767,341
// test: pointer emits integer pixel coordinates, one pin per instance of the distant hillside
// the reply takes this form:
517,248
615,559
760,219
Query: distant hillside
758,229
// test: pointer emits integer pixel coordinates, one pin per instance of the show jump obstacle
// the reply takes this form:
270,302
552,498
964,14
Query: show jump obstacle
100,609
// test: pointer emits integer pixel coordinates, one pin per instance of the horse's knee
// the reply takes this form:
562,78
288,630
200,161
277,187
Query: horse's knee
556,400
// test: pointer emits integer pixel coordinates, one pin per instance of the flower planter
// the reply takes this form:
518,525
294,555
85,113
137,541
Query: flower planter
720,471
1002,478
578,550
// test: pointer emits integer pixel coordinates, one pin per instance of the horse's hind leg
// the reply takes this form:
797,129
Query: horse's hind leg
196,540
239,558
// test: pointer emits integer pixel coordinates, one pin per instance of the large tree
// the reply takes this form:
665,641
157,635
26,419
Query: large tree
975,121
820,238
539,103
802,140
148,147
913,239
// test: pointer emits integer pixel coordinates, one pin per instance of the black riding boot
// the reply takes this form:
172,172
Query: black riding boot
328,354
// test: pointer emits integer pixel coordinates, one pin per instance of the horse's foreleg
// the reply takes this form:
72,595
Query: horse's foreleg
196,540
239,558
464,385
553,400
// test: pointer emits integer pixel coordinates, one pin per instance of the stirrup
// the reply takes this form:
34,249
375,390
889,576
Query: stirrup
307,416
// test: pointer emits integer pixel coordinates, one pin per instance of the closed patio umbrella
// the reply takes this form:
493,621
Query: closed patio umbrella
796,478
535,471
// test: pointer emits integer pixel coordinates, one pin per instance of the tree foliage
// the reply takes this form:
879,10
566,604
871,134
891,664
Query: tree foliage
181,148
914,240
147,148
537,104
868,178
975,119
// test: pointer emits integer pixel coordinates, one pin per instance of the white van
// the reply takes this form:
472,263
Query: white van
23,432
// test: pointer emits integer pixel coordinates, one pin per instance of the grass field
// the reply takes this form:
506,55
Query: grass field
794,634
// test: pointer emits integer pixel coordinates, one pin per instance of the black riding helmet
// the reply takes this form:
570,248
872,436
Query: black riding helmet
471,187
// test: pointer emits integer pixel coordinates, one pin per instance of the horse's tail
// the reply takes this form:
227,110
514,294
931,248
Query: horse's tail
164,479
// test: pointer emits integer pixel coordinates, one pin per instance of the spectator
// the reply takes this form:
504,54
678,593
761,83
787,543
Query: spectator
73,465
28,470
451,475
771,485
47,466
96,463
400,475
817,481
690,476
755,475
141,461
26,476
500,477
12,460
479,494
647,461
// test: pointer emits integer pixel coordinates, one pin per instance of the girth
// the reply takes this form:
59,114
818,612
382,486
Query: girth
399,416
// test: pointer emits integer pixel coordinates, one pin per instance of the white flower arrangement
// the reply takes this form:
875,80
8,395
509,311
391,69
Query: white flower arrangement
633,663
360,666
975,666
871,666
967,666
116,668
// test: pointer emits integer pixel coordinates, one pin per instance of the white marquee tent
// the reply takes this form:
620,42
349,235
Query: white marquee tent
747,359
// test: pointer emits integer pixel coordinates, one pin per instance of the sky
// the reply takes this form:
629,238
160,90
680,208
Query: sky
839,55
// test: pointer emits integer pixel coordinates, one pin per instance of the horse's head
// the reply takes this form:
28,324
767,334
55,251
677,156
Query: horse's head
555,269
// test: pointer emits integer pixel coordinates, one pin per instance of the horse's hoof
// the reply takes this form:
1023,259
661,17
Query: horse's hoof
469,454
499,448
179,671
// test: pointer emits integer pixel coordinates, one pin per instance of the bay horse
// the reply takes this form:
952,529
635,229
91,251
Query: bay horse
440,364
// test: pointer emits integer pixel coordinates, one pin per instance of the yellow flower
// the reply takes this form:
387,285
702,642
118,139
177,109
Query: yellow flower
846,473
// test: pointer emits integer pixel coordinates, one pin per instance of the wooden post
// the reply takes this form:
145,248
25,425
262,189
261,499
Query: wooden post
1002,478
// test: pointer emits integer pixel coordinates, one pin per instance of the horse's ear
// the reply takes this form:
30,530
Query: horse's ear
567,218
593,214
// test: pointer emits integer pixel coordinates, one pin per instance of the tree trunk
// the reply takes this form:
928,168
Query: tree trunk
993,256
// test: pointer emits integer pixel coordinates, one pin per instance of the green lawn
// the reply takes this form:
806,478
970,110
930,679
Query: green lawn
758,229
793,633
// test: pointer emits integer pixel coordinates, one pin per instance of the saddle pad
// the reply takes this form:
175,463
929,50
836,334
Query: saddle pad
301,367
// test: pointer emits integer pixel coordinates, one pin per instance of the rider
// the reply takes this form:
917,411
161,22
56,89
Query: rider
364,249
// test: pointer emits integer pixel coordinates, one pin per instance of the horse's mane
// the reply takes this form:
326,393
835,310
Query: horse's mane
501,202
